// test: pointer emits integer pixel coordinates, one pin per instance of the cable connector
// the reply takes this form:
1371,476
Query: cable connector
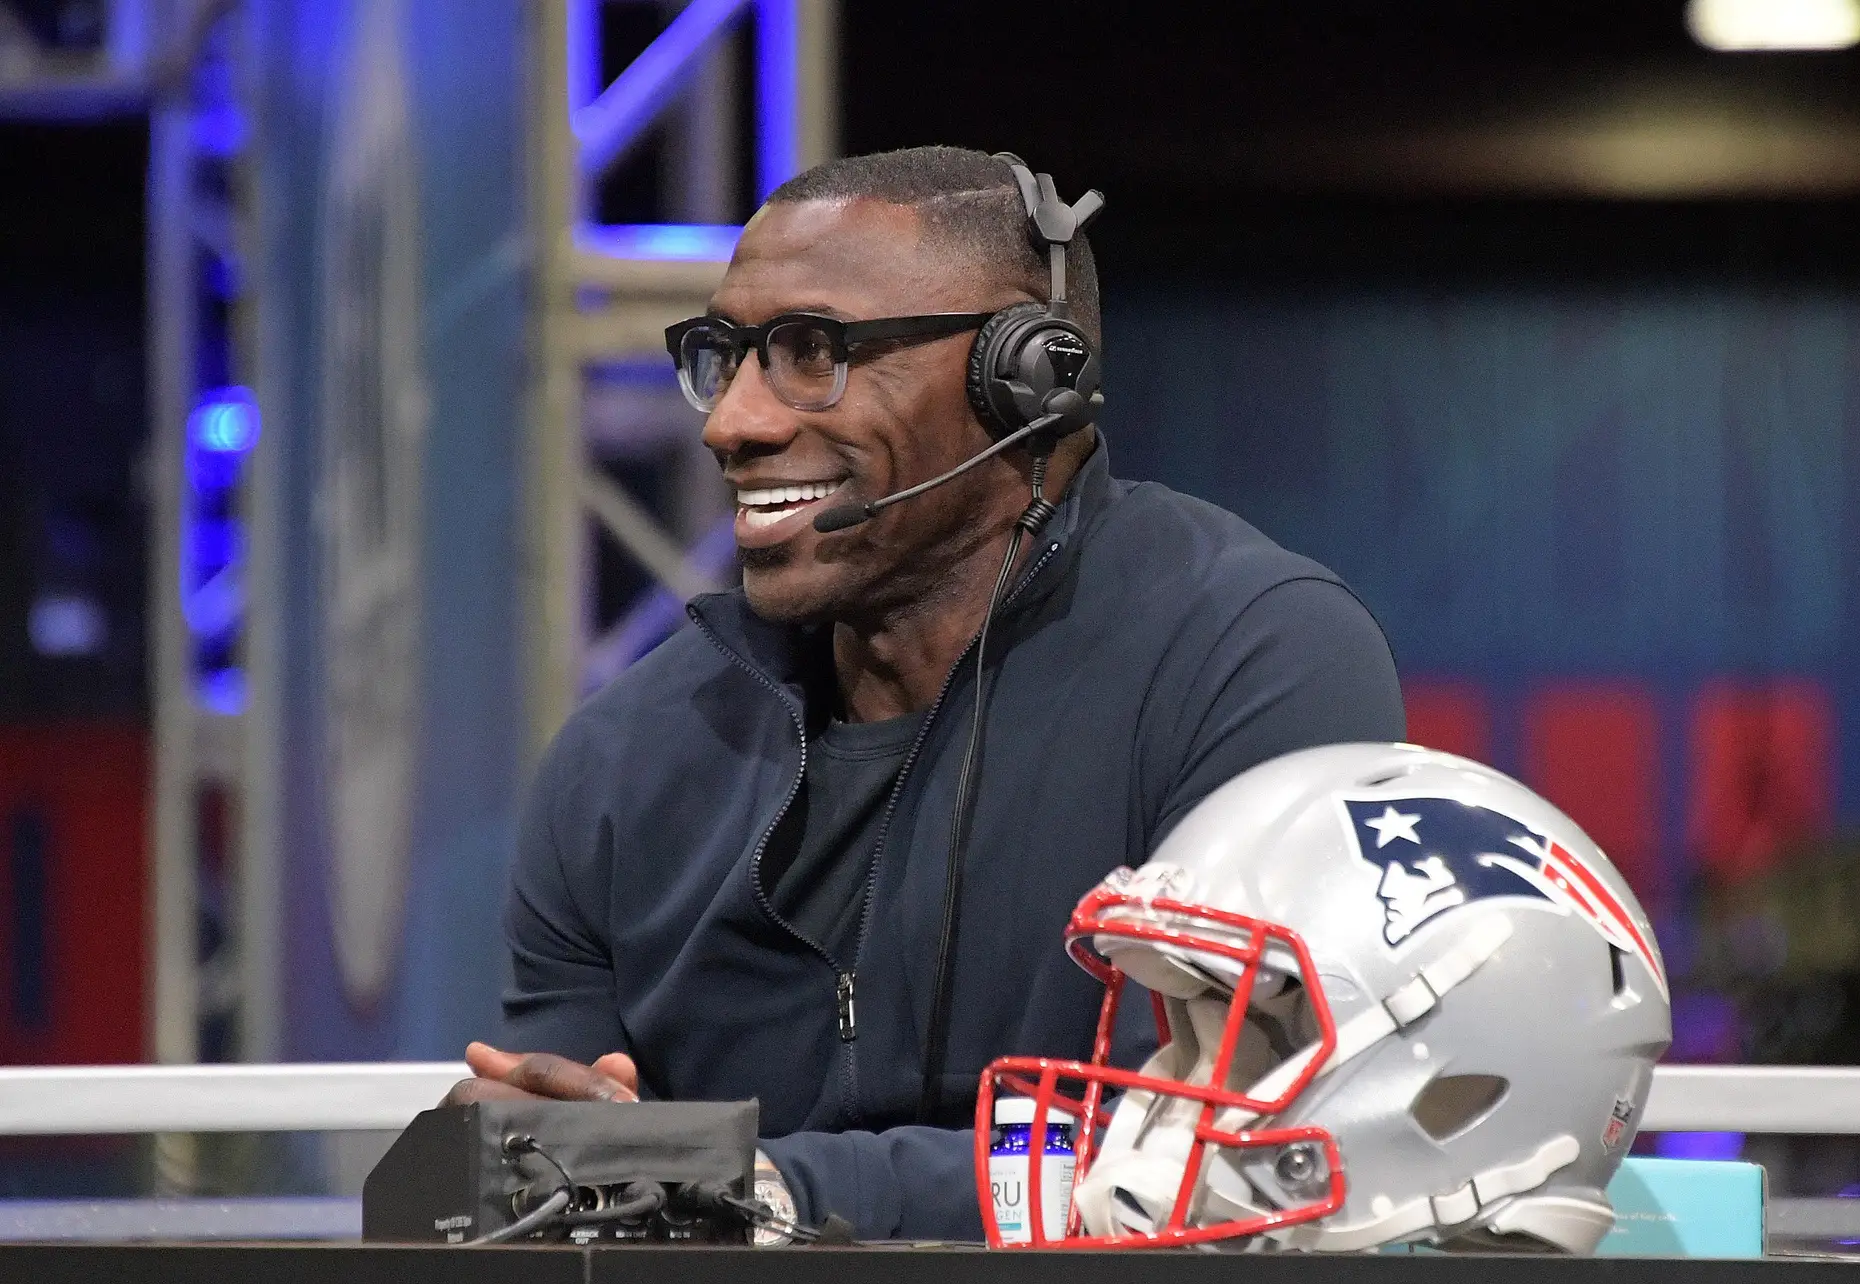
1036,516
1040,510
837,1230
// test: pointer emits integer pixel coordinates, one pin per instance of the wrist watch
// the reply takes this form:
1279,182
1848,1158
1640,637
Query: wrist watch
772,1191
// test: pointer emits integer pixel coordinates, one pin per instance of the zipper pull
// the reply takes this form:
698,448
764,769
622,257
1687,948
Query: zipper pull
849,1028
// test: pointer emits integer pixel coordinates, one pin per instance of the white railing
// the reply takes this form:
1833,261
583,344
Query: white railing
1774,1099
53,1100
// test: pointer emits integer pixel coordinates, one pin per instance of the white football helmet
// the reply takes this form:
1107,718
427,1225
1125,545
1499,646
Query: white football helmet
1401,998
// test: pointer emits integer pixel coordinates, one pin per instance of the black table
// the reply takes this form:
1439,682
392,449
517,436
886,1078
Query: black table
378,1264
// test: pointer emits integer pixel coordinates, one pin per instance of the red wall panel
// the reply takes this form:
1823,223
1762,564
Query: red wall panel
1449,714
1762,773
1593,749
72,881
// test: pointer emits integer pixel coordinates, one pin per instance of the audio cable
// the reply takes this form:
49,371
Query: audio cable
534,1220
515,1145
640,1200
761,1214
835,1231
1031,521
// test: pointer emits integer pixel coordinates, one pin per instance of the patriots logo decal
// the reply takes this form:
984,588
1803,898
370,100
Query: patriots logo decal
1439,853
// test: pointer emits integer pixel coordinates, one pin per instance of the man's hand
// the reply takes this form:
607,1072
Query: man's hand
542,1076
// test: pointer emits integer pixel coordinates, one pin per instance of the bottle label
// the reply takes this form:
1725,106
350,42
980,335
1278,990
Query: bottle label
1007,1175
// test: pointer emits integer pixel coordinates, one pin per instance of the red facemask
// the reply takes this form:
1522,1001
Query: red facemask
1242,941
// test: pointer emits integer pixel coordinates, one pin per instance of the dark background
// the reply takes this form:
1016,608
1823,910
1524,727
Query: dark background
1329,140
72,422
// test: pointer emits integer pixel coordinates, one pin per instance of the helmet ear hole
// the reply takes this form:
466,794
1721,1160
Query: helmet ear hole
1616,972
1452,1103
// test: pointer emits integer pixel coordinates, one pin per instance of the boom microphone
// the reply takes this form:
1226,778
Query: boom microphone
838,519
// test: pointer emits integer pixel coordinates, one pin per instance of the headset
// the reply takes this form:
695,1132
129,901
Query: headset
1032,375
1031,360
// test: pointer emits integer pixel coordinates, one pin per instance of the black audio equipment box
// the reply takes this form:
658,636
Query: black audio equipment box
578,1172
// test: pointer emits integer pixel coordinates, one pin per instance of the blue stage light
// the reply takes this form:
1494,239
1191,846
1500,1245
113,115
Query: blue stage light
778,94
1699,1145
221,691
62,625
663,242
220,434
226,422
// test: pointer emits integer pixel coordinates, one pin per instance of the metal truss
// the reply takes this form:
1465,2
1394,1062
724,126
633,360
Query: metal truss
107,71
606,293
145,56
201,438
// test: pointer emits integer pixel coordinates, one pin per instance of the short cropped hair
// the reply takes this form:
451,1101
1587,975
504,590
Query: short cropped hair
969,204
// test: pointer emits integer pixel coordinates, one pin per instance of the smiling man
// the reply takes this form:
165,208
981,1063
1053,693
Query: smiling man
733,872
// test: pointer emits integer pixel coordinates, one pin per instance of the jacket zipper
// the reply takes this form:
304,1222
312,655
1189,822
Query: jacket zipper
845,979
843,995
891,805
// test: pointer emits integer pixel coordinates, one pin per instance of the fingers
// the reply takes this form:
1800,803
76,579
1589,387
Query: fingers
620,1068
469,1091
488,1062
547,1075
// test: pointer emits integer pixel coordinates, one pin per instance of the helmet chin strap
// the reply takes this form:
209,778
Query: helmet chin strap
1145,1162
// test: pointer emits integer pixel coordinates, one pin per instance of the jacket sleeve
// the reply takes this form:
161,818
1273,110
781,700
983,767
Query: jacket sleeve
1302,664
911,1182
560,997
904,1183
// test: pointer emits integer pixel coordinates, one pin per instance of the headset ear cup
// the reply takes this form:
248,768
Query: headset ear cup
991,402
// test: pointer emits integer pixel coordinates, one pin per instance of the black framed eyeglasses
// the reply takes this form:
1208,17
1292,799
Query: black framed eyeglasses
804,356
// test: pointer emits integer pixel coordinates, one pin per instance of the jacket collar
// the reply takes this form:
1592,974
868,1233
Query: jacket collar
782,653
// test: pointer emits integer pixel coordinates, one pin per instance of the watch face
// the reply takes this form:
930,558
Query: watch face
773,1191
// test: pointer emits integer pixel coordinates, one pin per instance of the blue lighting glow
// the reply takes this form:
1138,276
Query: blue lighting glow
225,422
221,131
663,242
221,691
1699,1145
607,126
778,94
220,435
67,624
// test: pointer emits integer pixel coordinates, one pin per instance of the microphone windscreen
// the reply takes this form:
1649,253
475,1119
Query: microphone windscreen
838,519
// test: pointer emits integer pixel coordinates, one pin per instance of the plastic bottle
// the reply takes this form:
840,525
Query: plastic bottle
1009,1146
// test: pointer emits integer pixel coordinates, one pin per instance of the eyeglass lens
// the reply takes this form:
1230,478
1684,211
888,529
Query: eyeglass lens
801,370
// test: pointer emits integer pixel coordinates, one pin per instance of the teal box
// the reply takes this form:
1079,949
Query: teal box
1686,1208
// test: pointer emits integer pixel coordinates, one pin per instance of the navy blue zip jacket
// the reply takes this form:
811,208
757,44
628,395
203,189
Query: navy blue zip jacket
1154,647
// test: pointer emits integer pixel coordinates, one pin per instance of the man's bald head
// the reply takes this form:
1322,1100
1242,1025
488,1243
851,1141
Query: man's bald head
969,206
